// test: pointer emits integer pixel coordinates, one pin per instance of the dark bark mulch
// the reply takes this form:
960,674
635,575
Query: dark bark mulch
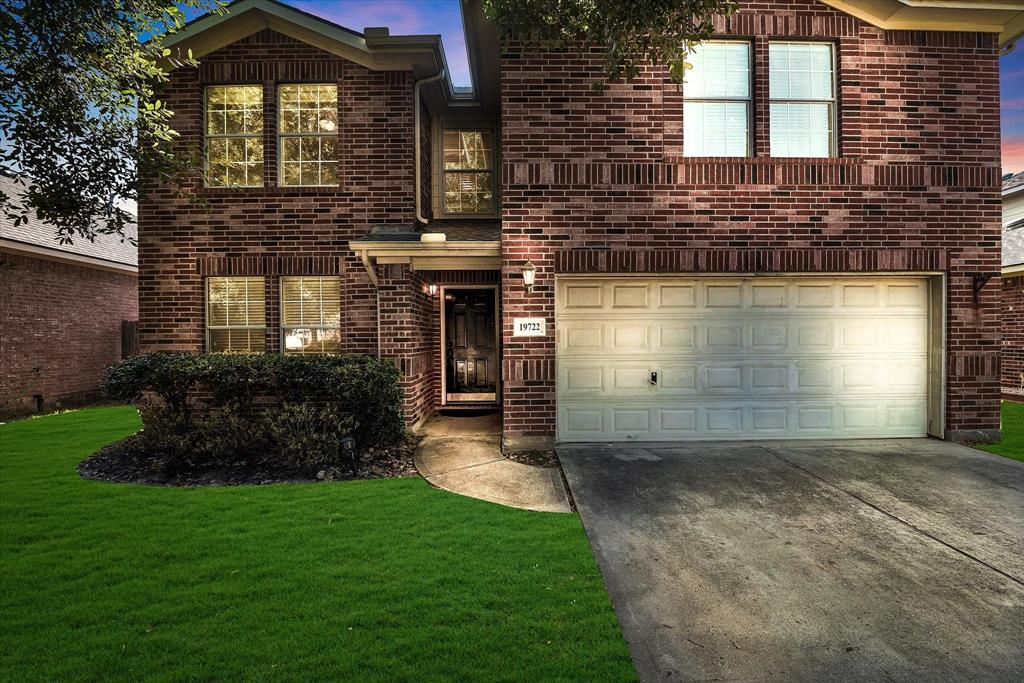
124,462
546,458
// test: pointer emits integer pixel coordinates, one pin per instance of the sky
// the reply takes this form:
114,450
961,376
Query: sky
402,17
444,17
1011,80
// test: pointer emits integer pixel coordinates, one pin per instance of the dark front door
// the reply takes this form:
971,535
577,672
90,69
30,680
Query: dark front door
471,350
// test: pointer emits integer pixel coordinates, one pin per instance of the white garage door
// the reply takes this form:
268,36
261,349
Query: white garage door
755,358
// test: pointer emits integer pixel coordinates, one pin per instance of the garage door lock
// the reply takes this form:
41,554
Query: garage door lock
654,378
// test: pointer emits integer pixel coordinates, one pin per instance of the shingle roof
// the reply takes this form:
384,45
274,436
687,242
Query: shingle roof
36,232
1013,180
1013,244
454,231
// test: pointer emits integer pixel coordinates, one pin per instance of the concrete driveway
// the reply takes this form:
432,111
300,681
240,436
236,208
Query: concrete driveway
865,560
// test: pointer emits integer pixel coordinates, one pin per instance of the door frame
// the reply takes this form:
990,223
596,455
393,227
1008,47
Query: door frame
496,288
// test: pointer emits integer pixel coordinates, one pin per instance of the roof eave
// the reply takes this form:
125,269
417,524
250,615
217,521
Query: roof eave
50,254
1005,17
379,51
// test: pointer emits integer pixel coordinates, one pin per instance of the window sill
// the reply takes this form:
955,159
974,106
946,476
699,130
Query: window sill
830,161
270,189
468,216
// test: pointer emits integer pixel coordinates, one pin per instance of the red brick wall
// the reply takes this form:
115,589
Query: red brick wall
1013,336
596,183
272,230
60,325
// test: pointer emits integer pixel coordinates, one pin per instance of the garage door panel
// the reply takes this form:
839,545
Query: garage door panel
886,335
741,358
618,421
689,378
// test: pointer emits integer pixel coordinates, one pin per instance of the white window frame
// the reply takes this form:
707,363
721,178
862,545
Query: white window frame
494,174
281,136
833,103
228,136
283,328
749,100
209,327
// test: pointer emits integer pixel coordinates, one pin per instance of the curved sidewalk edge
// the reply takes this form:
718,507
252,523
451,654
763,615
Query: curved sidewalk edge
473,466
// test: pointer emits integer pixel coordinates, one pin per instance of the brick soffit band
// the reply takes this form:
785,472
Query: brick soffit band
750,260
837,172
269,265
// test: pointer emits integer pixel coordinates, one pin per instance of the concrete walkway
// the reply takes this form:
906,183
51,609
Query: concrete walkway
462,454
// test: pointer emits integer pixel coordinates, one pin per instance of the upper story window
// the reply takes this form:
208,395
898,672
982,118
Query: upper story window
802,93
235,314
716,111
308,131
469,172
311,314
234,135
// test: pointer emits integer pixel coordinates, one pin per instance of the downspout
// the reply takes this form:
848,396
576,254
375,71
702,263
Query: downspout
419,172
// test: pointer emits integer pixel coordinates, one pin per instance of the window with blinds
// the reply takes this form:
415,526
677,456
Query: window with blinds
235,314
311,315
716,110
308,134
234,136
469,172
802,92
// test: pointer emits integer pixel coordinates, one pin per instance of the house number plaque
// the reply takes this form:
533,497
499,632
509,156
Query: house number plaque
529,327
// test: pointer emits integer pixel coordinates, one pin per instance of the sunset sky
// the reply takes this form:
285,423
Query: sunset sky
443,16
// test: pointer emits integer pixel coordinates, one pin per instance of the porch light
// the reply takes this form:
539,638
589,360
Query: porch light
432,289
529,273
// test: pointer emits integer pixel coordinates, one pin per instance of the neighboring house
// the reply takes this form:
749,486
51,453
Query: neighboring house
1013,286
61,312
795,245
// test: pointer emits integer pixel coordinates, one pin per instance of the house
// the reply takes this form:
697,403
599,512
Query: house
1013,286
62,307
796,244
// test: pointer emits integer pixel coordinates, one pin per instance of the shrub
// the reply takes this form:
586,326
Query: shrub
304,437
223,408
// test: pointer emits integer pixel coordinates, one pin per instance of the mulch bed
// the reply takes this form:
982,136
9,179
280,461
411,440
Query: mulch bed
124,462
546,458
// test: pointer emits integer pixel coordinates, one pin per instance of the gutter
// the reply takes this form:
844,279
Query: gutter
416,144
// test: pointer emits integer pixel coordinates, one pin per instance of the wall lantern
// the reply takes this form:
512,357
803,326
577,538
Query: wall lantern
432,289
529,273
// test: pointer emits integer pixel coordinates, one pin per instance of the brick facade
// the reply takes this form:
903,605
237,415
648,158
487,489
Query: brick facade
60,325
274,230
595,182
1013,337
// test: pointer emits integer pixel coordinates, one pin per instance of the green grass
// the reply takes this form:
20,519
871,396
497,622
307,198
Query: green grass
1012,445
368,580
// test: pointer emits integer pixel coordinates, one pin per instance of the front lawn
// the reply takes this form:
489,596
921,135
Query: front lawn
1012,445
365,580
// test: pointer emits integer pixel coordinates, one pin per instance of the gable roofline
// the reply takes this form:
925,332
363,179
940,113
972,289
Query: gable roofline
1005,17
376,48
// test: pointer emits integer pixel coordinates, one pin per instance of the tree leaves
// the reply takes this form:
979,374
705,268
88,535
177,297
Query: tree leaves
632,34
79,108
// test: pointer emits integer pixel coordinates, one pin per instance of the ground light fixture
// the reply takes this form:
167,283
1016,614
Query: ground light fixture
529,274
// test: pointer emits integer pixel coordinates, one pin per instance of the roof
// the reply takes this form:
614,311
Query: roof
374,48
1013,244
1005,17
453,230
38,236
1013,183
